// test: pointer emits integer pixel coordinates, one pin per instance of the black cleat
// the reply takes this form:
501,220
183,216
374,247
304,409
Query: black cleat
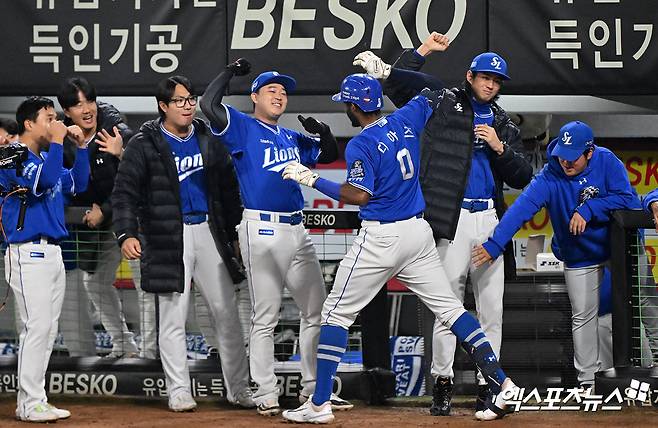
441,397
481,400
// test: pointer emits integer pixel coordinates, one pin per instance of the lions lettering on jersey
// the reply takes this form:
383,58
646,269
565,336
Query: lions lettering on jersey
188,165
260,152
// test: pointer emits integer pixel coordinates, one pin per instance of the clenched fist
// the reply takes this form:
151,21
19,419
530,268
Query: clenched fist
313,126
240,67
372,64
301,174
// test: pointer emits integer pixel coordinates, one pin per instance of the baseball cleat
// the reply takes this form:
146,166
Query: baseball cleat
39,413
244,398
182,402
496,406
337,403
441,397
268,407
309,413
61,413
481,400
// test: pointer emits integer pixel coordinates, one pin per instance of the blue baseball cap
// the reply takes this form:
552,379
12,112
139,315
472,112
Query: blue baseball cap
273,77
573,140
490,62
363,90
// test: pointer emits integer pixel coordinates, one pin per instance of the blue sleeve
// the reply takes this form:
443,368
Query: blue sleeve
534,198
76,179
49,173
309,148
415,80
360,167
620,194
234,135
651,197
417,112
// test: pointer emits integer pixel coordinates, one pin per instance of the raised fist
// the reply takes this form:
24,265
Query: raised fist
312,126
240,67
372,64
57,131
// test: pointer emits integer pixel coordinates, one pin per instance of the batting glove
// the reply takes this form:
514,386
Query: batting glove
372,64
240,67
298,172
313,126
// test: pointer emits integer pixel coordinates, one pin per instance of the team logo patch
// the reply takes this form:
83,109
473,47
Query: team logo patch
37,255
356,171
266,232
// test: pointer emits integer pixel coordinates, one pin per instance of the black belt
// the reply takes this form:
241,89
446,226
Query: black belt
293,219
195,218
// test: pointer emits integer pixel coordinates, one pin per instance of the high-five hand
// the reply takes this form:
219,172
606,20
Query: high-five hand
301,174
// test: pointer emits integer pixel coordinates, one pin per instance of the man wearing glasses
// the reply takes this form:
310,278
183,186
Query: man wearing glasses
178,188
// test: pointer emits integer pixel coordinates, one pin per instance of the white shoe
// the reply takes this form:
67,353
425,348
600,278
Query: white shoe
182,402
244,398
310,413
268,407
337,403
39,413
61,413
497,406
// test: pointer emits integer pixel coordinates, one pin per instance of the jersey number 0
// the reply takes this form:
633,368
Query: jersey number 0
406,165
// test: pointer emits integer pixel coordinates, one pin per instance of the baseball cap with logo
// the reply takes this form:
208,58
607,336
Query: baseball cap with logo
490,62
273,77
363,90
572,141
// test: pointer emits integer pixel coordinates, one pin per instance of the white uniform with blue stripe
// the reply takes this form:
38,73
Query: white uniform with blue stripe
34,267
275,246
394,241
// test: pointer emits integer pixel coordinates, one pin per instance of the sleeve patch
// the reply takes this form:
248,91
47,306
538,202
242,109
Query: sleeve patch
356,170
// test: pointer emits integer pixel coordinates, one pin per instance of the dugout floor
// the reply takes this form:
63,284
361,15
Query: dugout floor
117,412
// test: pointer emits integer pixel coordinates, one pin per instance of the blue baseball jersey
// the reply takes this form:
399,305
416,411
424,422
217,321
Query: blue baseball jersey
260,152
47,184
191,175
384,160
481,184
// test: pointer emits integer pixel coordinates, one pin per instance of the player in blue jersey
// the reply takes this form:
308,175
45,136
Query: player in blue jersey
276,248
580,186
394,241
33,263
175,207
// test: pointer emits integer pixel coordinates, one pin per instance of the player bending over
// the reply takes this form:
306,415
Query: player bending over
394,240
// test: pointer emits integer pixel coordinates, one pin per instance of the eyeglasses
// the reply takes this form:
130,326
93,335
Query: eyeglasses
180,102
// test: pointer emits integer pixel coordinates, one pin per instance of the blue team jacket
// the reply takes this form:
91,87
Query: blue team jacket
602,187
651,197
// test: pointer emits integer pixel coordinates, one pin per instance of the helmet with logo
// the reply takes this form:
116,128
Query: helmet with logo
490,62
362,90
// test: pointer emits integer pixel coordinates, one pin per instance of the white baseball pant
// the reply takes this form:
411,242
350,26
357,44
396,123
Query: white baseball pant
100,287
204,265
488,283
278,255
147,325
404,249
35,273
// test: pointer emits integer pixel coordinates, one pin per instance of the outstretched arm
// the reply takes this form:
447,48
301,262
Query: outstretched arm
341,192
211,101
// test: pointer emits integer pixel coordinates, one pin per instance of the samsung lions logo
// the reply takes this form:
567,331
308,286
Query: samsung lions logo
459,107
566,139
495,63
188,165
356,171
276,159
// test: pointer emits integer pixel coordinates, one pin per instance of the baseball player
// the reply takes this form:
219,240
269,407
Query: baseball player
581,184
276,248
650,207
470,151
394,240
34,225
175,207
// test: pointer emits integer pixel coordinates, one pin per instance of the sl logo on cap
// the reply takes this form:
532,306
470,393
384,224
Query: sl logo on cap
495,63
566,139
